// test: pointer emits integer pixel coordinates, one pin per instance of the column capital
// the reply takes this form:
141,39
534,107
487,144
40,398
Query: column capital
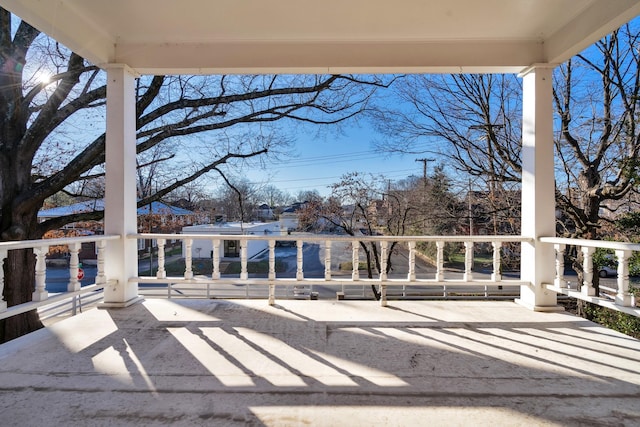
537,66
116,66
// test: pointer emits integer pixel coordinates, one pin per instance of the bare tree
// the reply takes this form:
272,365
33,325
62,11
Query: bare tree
597,98
50,137
471,120
358,206
474,120
275,197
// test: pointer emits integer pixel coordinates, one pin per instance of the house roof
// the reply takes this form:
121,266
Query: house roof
98,205
233,227
162,208
333,36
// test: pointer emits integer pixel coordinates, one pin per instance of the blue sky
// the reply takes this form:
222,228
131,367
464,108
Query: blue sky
321,161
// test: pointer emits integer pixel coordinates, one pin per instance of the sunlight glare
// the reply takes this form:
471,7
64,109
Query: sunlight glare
43,77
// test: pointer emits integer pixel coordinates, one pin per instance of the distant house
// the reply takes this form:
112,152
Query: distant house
76,208
290,217
166,218
264,212
203,248
154,208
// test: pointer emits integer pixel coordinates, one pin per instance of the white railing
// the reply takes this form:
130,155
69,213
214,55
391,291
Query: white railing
441,282
619,298
41,296
445,279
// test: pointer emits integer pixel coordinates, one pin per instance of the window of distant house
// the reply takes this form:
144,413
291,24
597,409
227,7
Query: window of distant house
232,248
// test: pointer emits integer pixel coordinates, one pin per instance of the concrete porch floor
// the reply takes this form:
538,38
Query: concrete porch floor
321,363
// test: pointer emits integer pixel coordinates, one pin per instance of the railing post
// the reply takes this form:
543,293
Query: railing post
440,261
412,261
559,280
587,267
188,259
355,261
468,261
496,276
101,278
40,294
623,297
327,260
299,258
244,274
216,259
74,263
3,302
161,272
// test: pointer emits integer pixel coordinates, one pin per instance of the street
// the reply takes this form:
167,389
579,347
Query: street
57,278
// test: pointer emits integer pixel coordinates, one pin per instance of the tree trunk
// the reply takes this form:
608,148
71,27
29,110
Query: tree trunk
19,270
19,221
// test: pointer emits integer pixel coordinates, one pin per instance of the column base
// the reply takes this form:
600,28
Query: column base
540,308
121,304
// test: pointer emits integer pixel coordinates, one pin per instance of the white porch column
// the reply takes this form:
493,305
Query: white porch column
121,260
538,188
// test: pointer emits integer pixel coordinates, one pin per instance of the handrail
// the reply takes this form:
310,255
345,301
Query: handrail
606,244
25,244
337,238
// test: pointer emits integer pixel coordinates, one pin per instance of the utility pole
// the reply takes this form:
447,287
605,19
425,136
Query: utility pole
424,168
424,185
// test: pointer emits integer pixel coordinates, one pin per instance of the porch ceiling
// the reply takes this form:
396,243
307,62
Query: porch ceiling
253,36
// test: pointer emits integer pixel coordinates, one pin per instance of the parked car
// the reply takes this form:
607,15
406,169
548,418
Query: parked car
606,271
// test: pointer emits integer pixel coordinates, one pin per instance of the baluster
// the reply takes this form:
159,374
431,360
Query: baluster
216,259
40,294
299,271
384,248
355,260
559,280
468,261
383,272
272,293
3,302
440,261
272,259
244,274
587,266
161,272
496,276
327,260
74,265
624,297
101,278
272,272
188,259
412,261
383,294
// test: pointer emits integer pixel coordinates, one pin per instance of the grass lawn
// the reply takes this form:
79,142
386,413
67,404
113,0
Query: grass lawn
456,260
